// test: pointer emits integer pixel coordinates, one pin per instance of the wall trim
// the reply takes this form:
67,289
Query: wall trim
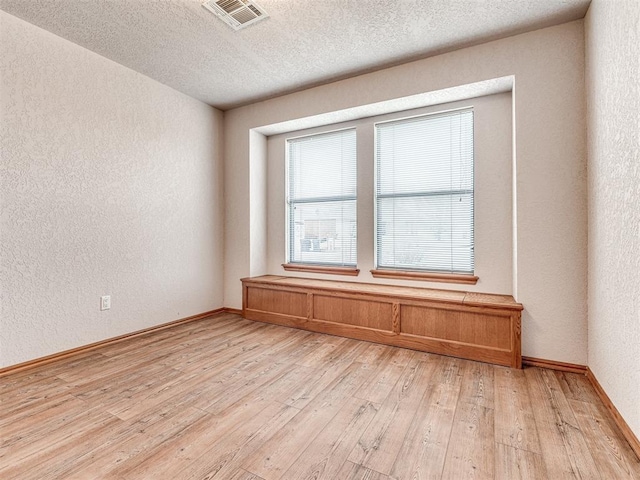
425,276
554,365
92,346
330,270
235,311
626,431
617,418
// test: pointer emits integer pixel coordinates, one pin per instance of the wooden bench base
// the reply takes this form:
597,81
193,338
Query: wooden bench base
468,325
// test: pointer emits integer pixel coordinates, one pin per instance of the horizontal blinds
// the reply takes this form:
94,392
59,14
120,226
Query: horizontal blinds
424,193
322,199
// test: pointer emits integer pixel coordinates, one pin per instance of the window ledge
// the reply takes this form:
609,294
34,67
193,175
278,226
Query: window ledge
296,267
426,276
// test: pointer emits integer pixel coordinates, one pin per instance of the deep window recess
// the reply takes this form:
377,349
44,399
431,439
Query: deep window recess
424,193
321,199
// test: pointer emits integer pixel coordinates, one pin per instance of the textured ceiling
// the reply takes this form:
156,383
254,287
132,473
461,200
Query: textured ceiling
303,43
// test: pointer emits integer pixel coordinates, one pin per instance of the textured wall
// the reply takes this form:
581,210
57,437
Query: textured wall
550,146
613,95
111,184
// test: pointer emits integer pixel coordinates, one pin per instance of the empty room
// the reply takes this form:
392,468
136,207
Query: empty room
340,240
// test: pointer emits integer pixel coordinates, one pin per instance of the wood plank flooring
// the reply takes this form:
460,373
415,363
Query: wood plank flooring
231,399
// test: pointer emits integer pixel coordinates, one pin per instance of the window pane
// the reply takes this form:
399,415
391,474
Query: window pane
431,233
324,233
322,199
426,154
424,193
323,166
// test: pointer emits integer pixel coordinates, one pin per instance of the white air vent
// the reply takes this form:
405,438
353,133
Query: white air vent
236,13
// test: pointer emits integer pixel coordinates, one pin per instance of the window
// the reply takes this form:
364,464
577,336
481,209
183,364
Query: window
321,199
424,193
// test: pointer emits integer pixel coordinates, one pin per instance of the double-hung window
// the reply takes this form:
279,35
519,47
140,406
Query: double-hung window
321,199
424,193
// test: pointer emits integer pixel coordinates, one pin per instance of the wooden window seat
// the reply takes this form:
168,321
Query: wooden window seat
475,326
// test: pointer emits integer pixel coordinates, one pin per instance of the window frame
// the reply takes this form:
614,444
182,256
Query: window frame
408,273
317,267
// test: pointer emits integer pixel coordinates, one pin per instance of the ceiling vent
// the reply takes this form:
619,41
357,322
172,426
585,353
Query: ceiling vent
237,14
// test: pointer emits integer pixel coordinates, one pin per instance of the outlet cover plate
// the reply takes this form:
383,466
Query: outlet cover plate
105,302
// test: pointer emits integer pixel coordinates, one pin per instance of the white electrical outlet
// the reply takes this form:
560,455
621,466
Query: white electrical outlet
105,302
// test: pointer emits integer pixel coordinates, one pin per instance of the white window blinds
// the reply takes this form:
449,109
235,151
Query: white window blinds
322,199
424,193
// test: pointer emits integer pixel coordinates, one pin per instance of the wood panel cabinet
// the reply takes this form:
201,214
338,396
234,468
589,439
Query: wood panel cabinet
474,326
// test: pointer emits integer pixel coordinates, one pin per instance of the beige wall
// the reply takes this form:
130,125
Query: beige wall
111,183
492,196
550,181
613,97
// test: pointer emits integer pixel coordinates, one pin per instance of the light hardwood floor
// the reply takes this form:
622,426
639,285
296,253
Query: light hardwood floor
226,398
